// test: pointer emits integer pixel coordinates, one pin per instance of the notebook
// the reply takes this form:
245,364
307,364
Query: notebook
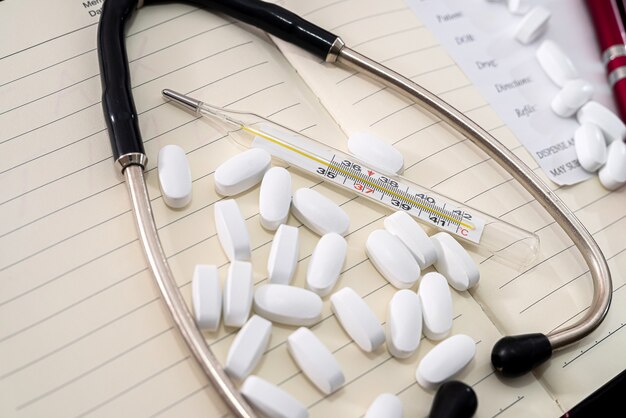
83,331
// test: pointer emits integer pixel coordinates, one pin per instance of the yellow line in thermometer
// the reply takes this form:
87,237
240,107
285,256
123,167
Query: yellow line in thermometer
350,175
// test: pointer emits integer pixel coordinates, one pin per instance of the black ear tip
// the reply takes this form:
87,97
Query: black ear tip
454,399
517,355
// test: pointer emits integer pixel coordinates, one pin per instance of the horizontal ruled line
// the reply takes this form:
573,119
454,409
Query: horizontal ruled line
310,12
585,273
560,251
595,344
360,19
94,49
91,370
48,40
134,386
148,140
135,86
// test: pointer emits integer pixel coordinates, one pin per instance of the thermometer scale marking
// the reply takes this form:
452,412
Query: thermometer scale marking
391,194
342,169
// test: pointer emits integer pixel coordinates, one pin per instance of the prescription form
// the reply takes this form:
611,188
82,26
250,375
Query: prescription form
82,329
482,42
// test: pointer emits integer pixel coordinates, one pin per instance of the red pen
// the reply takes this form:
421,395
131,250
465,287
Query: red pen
608,17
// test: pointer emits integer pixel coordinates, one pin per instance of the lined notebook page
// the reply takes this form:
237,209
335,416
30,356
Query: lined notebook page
82,329
557,289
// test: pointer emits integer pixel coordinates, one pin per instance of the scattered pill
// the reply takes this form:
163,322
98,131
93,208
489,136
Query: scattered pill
445,360
174,176
248,346
326,263
206,294
555,63
357,319
436,300
403,226
287,305
572,96
454,263
404,323
375,152
318,213
392,259
283,258
270,400
238,293
612,126
518,7
315,360
613,174
241,172
590,147
274,198
386,405
532,25
232,231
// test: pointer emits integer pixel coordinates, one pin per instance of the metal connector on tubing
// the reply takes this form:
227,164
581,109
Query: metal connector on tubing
583,240
334,51
133,158
172,297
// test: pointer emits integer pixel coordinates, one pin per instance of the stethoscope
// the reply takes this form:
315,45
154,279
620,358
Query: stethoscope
511,356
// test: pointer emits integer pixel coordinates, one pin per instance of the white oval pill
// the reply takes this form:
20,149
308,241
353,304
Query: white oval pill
403,226
206,294
612,126
613,174
532,25
174,176
392,259
315,360
287,305
572,96
248,347
238,294
445,360
518,7
357,319
436,299
375,152
590,147
454,262
555,63
386,405
270,400
318,213
326,263
404,323
452,268
283,258
241,172
274,198
232,231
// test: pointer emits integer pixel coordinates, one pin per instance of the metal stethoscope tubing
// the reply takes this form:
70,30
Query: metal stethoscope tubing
511,356
566,219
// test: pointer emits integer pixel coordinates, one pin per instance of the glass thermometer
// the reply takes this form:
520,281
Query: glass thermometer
501,239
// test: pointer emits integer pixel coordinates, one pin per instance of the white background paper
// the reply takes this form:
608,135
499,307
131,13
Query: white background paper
482,34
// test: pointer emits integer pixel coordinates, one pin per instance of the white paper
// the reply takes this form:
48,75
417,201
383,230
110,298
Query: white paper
480,38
